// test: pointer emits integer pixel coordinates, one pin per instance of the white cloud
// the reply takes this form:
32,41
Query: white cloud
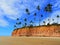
16,8
56,5
3,23
8,9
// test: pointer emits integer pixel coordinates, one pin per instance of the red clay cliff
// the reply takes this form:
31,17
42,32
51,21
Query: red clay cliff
38,31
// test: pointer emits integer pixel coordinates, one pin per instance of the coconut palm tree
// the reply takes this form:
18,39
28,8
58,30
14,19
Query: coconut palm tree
17,19
25,24
49,21
41,15
25,21
48,8
27,11
16,23
53,20
57,18
44,22
31,23
38,7
40,18
15,26
35,14
19,23
35,17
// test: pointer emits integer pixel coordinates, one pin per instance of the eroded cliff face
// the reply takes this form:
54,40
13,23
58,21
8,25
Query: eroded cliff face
39,31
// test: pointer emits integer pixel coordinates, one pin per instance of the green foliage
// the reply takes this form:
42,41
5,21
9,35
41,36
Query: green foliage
25,19
38,7
48,8
27,11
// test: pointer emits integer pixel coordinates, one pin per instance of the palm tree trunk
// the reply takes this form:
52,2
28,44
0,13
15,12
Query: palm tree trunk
57,20
39,22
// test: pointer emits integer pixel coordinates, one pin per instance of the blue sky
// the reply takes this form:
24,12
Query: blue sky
12,9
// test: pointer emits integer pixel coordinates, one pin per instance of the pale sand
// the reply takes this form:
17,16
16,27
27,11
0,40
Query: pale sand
29,41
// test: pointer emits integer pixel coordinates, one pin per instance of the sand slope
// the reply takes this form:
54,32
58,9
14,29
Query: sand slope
29,41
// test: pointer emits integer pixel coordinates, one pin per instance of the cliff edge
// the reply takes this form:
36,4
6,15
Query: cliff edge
38,31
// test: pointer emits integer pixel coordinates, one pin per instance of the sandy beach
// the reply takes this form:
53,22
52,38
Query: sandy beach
29,41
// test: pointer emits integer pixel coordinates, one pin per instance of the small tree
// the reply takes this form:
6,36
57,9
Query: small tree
57,18
25,24
31,23
38,7
17,19
27,11
44,22
49,21
35,16
53,20
48,8
40,18
15,26
25,21
17,22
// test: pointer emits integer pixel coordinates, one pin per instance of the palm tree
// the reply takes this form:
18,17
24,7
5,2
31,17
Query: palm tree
44,22
41,15
52,19
31,23
48,8
38,7
35,16
25,21
25,24
57,18
40,18
16,23
19,23
49,21
27,11
15,26
17,19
